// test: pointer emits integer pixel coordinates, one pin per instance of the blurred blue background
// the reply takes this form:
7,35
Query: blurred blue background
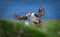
21,7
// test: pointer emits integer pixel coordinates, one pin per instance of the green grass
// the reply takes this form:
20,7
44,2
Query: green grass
11,29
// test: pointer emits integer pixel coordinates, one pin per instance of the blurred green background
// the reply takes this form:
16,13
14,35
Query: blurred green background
12,29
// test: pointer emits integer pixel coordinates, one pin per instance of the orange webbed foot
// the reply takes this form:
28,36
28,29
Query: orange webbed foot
42,22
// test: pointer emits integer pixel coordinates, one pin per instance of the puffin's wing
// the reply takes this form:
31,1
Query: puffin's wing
19,17
41,12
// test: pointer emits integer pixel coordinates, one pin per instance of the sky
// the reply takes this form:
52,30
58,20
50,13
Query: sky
21,7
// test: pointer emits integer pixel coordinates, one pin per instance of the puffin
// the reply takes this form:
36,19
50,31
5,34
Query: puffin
34,17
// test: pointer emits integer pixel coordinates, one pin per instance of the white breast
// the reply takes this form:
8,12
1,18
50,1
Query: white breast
33,17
